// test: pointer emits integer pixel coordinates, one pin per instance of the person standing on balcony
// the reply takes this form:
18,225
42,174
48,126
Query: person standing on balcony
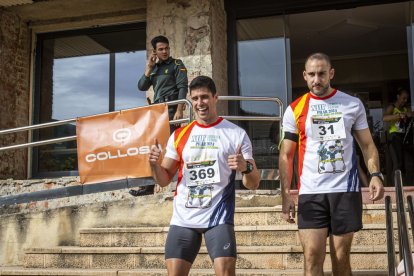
168,77
398,115
207,153
330,200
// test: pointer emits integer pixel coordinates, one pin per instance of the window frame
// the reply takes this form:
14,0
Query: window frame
37,76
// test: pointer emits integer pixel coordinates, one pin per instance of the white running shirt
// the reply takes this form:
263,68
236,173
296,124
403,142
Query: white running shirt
205,195
327,160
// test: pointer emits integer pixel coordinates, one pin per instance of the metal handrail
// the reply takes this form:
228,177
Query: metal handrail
254,118
38,126
72,138
390,236
186,120
411,212
404,242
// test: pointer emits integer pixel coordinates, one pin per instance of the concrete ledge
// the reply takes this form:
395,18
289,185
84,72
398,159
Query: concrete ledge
162,272
249,257
160,250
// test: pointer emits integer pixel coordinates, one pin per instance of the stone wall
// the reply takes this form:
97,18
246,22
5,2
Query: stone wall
38,224
56,222
197,33
14,91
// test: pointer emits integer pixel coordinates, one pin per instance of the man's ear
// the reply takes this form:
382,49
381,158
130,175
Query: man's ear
331,73
304,75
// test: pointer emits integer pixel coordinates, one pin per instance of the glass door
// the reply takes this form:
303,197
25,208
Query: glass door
263,70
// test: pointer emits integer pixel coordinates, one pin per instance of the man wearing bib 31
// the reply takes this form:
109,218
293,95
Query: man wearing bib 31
207,154
323,124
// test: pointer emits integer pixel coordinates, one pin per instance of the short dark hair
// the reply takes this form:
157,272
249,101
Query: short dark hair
203,82
319,56
158,39
402,90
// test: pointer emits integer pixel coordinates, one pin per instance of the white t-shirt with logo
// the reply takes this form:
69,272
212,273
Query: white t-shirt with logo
205,195
327,160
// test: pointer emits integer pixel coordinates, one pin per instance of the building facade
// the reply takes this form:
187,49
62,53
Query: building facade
62,59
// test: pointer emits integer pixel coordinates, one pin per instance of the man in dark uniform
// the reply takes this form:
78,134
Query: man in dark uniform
168,76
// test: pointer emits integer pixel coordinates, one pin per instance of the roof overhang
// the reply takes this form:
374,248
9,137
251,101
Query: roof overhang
9,3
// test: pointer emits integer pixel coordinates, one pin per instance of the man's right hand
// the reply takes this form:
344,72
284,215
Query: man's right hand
288,209
155,153
150,63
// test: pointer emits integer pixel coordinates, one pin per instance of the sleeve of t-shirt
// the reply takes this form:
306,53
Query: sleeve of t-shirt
246,149
361,117
171,151
289,123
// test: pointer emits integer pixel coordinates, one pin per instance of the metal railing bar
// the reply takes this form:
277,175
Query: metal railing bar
402,222
73,120
38,126
40,143
251,118
72,138
249,98
390,237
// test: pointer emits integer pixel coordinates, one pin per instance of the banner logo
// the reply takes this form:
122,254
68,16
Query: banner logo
122,135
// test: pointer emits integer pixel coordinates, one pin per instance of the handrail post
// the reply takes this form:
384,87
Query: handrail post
402,222
390,236
411,212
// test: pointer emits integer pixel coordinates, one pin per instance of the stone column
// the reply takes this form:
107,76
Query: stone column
197,33
14,92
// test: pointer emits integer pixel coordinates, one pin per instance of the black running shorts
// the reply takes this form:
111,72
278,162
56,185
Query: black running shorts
341,213
184,243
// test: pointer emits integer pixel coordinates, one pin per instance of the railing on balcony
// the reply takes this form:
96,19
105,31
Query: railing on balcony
92,188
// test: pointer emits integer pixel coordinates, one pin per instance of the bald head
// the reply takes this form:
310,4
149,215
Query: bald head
318,56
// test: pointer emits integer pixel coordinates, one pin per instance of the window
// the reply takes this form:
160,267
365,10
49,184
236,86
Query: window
81,73
262,49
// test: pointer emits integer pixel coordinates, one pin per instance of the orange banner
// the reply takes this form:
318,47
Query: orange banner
116,145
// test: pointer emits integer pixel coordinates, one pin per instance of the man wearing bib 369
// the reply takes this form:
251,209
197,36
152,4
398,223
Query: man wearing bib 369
207,154
323,124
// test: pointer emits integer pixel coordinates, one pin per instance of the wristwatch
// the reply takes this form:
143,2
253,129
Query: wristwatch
378,174
249,168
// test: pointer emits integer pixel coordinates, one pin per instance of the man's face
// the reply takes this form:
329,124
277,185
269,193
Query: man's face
402,99
162,51
204,105
318,74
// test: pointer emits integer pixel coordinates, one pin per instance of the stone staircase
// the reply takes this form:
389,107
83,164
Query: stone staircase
266,246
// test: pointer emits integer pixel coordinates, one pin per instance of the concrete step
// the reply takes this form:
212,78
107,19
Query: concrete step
372,214
267,235
161,272
249,257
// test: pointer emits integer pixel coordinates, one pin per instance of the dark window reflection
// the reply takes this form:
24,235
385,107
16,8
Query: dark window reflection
73,77
262,72
129,66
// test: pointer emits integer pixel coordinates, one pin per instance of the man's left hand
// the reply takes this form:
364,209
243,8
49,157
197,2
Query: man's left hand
237,161
376,189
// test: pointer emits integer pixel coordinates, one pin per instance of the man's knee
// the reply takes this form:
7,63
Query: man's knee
225,266
314,255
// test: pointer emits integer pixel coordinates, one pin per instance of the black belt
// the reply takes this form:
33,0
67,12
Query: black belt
166,99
